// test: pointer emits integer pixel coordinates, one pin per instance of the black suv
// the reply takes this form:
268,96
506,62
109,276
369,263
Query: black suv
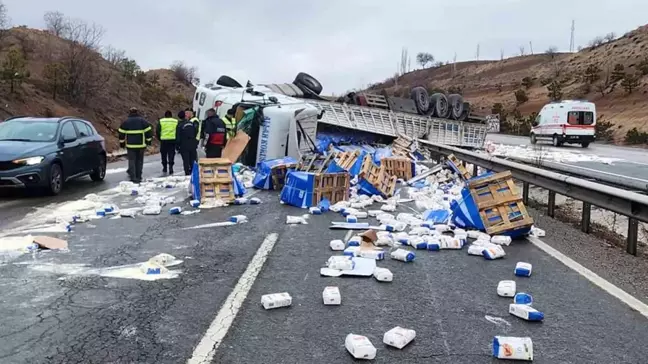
47,152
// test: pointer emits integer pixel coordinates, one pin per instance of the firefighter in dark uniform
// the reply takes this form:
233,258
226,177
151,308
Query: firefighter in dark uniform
166,132
187,137
135,134
215,134
191,116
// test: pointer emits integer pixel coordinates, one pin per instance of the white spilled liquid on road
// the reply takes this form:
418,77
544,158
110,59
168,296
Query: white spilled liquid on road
130,271
542,153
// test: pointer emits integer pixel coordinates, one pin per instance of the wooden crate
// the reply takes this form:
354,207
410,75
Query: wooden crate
333,186
397,166
370,171
216,180
316,163
499,203
402,147
386,184
346,160
458,167
278,174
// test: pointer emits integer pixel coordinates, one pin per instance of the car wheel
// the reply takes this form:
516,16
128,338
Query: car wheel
555,141
533,139
55,182
585,145
98,174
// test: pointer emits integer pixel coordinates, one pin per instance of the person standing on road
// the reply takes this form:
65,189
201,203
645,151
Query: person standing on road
135,134
187,142
191,116
230,124
215,134
166,132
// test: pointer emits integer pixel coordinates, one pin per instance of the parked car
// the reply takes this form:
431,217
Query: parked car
45,153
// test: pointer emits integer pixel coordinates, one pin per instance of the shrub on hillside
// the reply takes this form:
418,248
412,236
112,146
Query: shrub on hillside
184,73
14,69
630,82
617,73
643,66
604,130
527,82
592,74
521,97
635,137
555,92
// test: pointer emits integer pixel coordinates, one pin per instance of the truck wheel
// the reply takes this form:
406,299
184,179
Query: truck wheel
585,144
442,106
227,81
308,81
456,106
533,139
421,99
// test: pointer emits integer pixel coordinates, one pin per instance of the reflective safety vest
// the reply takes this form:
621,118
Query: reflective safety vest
135,139
168,128
230,125
195,120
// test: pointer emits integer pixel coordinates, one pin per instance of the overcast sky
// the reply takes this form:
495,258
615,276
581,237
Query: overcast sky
345,44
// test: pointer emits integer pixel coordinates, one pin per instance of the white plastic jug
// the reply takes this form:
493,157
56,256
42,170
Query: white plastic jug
403,255
525,312
360,347
370,254
388,208
351,251
399,337
276,300
352,219
475,250
523,299
418,242
294,220
337,245
383,275
501,240
331,296
420,230
506,288
341,262
514,348
361,215
238,219
384,217
315,211
447,242
493,251
523,269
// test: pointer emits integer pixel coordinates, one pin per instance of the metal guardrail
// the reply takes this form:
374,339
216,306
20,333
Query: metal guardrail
630,204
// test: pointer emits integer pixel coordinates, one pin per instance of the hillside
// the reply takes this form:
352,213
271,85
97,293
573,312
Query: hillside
67,76
595,73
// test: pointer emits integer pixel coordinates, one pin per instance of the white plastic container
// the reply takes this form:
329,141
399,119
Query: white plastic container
276,300
442,228
523,269
525,312
506,288
360,347
399,337
194,203
315,211
420,230
475,250
357,205
398,226
383,275
460,234
337,245
340,262
241,201
175,210
238,219
403,255
371,254
351,219
385,217
354,241
418,242
492,252
295,220
514,348
361,215
351,251
331,296
374,213
501,240
388,208
150,267
152,210
447,242
523,299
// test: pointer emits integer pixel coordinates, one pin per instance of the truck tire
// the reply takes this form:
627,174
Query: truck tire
227,81
441,106
421,99
308,81
466,112
456,106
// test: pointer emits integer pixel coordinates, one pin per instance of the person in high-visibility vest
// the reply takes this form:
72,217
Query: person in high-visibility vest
230,124
197,123
135,134
166,133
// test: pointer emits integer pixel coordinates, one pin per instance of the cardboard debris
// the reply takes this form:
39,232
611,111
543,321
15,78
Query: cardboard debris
48,242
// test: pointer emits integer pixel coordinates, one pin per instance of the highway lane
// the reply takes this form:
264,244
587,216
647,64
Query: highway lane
627,161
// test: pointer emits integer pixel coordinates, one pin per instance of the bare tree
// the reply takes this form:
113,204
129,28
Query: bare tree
501,54
522,51
113,55
424,59
609,37
55,22
84,34
184,73
552,51
404,61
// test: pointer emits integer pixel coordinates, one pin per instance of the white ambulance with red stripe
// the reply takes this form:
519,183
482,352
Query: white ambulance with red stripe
569,121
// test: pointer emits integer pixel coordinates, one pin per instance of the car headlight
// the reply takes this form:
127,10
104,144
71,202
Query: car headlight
31,161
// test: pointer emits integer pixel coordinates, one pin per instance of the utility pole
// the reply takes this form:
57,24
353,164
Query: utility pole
477,53
454,65
571,40
501,54
531,47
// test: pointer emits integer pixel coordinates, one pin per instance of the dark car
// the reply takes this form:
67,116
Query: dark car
47,152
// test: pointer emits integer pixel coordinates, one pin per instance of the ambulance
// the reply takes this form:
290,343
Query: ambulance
569,121
288,126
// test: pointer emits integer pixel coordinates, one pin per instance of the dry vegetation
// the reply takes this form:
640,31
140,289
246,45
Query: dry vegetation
66,70
611,72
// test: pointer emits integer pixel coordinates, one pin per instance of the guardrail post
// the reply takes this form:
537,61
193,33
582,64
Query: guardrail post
551,204
587,213
525,193
633,232
474,171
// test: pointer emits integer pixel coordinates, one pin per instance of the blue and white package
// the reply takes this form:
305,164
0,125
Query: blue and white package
418,242
101,212
351,251
523,299
492,252
134,192
175,210
351,219
315,211
370,254
238,219
523,269
354,241
240,201
255,201
194,203
525,312
403,255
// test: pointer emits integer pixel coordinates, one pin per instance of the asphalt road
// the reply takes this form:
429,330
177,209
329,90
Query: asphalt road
51,316
633,161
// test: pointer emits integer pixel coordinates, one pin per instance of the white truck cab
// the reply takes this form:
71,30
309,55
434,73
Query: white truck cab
289,124
569,121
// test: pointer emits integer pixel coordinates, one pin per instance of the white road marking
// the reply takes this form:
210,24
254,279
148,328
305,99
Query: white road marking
608,287
604,172
205,350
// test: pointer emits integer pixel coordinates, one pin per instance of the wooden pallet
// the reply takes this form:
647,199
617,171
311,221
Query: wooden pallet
278,174
333,186
499,203
397,166
216,180
458,167
402,147
375,100
346,160
386,184
369,171
315,163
